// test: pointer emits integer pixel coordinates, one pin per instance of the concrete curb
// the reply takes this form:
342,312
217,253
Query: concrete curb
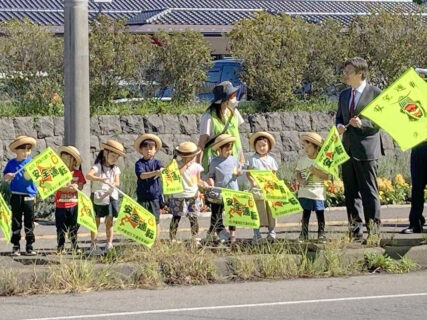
392,206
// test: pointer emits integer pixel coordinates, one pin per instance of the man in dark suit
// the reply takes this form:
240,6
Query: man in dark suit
361,140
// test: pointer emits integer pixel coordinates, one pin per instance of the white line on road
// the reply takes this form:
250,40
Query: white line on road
254,305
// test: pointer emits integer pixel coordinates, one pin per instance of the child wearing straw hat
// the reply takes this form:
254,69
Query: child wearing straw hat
105,175
223,172
187,203
23,194
147,169
262,143
311,191
66,200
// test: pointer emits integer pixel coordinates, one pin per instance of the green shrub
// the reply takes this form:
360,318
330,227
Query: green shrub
390,42
274,56
184,59
112,59
32,65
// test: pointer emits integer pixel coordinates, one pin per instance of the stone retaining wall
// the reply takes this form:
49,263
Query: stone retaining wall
172,129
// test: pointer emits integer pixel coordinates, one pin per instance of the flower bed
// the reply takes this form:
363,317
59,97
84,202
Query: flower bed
395,191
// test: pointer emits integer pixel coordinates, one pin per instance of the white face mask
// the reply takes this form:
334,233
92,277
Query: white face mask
232,103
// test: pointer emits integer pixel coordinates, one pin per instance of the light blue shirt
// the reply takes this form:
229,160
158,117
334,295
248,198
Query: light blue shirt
221,170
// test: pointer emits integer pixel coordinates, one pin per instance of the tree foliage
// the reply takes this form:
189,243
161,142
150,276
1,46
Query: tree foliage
184,59
112,59
279,52
274,56
390,42
31,68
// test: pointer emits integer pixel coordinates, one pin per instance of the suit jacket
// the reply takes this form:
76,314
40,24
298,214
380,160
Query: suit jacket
362,143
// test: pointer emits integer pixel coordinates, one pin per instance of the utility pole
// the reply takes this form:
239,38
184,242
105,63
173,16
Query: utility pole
76,75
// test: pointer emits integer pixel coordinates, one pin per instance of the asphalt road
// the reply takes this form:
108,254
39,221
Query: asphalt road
381,296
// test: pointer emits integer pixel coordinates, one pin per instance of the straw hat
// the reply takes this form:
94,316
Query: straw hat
221,140
187,149
21,140
113,146
256,135
147,136
312,137
73,151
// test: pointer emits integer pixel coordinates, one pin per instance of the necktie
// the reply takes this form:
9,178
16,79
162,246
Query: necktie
352,107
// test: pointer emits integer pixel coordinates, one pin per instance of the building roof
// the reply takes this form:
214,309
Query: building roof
200,12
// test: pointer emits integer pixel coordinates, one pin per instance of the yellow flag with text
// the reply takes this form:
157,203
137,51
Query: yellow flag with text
48,172
401,110
5,219
268,183
239,209
135,222
288,205
171,179
86,214
332,154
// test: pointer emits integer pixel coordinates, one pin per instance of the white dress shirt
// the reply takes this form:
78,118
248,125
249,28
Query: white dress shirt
358,94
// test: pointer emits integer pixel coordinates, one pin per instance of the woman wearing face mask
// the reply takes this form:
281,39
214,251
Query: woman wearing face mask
221,117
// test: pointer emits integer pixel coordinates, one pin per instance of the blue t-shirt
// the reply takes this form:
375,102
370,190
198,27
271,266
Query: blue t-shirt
19,184
222,171
148,189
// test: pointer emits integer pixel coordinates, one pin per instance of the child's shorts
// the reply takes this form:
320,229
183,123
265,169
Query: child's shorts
312,205
153,206
109,210
183,207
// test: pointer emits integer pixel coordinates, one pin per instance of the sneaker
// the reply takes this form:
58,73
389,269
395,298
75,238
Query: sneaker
271,235
16,251
257,239
174,241
108,246
302,237
233,239
29,251
76,250
211,237
224,236
94,249
197,242
60,250
321,238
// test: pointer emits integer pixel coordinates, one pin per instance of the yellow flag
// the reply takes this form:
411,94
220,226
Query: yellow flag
5,219
332,154
171,179
135,222
86,214
288,205
48,172
401,110
239,209
268,183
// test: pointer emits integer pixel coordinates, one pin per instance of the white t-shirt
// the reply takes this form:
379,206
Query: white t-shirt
206,126
262,163
189,181
100,189
314,189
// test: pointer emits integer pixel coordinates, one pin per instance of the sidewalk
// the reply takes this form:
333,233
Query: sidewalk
394,219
